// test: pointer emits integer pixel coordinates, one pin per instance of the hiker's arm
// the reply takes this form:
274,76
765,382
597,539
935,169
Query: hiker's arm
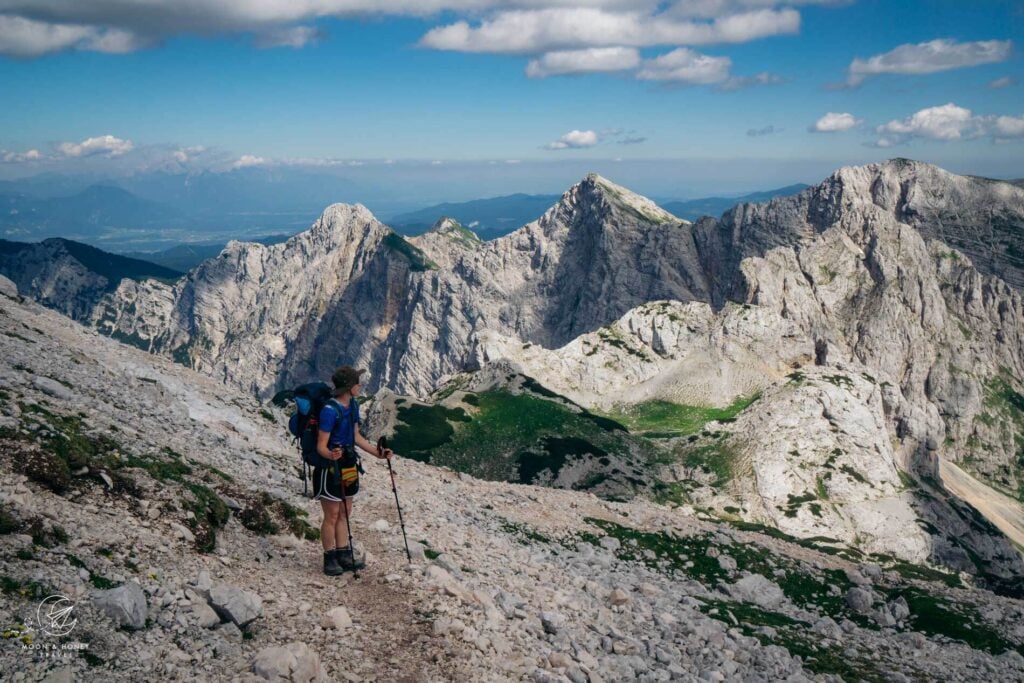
322,449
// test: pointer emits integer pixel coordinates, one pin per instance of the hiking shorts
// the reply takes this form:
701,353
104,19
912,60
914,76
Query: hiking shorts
325,483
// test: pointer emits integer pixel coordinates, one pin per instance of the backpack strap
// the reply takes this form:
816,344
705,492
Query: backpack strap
354,406
353,413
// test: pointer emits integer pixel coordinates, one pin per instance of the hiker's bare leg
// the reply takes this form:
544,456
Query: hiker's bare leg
330,523
341,526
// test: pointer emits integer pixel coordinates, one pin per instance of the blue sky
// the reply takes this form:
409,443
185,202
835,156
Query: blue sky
398,86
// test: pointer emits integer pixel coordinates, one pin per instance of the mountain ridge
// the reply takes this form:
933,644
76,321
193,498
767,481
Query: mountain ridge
71,276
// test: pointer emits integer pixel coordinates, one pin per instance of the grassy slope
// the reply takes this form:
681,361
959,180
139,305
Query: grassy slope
504,436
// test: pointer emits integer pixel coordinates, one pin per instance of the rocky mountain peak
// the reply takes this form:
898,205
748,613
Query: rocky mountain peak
596,193
342,222
447,226
981,217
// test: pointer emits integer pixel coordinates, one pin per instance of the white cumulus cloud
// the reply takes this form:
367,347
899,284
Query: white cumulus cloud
31,28
20,37
684,65
705,9
20,157
589,60
107,145
946,122
249,160
1008,126
26,38
929,57
1000,83
834,122
526,31
575,139
949,122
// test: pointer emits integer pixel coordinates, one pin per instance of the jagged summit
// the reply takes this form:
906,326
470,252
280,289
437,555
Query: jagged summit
345,218
444,223
597,190
449,227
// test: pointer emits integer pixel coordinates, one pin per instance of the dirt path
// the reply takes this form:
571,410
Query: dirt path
1004,512
392,611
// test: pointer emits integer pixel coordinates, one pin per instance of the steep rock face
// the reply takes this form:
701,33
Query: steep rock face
138,313
257,315
982,218
599,252
832,274
446,241
874,290
822,464
912,271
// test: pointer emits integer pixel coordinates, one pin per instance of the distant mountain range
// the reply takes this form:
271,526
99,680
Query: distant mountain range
488,218
160,210
693,209
846,346
90,212
185,257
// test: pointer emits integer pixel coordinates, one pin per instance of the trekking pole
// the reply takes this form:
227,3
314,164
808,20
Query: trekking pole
382,444
348,522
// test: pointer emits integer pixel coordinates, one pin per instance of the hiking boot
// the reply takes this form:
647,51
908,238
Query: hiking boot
347,560
331,565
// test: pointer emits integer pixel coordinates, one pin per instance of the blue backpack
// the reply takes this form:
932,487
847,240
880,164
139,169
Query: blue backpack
309,400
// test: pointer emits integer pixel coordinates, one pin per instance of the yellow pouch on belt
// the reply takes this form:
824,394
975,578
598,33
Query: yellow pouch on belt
349,475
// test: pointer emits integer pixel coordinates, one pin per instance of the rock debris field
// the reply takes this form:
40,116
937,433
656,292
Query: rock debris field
168,510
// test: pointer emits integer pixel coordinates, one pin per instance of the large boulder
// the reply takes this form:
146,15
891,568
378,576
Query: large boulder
293,662
126,605
860,600
758,590
236,605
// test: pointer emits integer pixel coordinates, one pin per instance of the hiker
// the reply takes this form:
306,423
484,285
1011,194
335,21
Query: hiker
336,441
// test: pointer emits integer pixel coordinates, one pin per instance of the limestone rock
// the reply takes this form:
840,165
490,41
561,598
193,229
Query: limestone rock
336,618
8,288
294,663
53,388
860,600
126,605
239,606
619,597
758,590
205,616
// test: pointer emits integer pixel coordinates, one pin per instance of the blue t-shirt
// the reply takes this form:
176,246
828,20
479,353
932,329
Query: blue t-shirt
340,426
